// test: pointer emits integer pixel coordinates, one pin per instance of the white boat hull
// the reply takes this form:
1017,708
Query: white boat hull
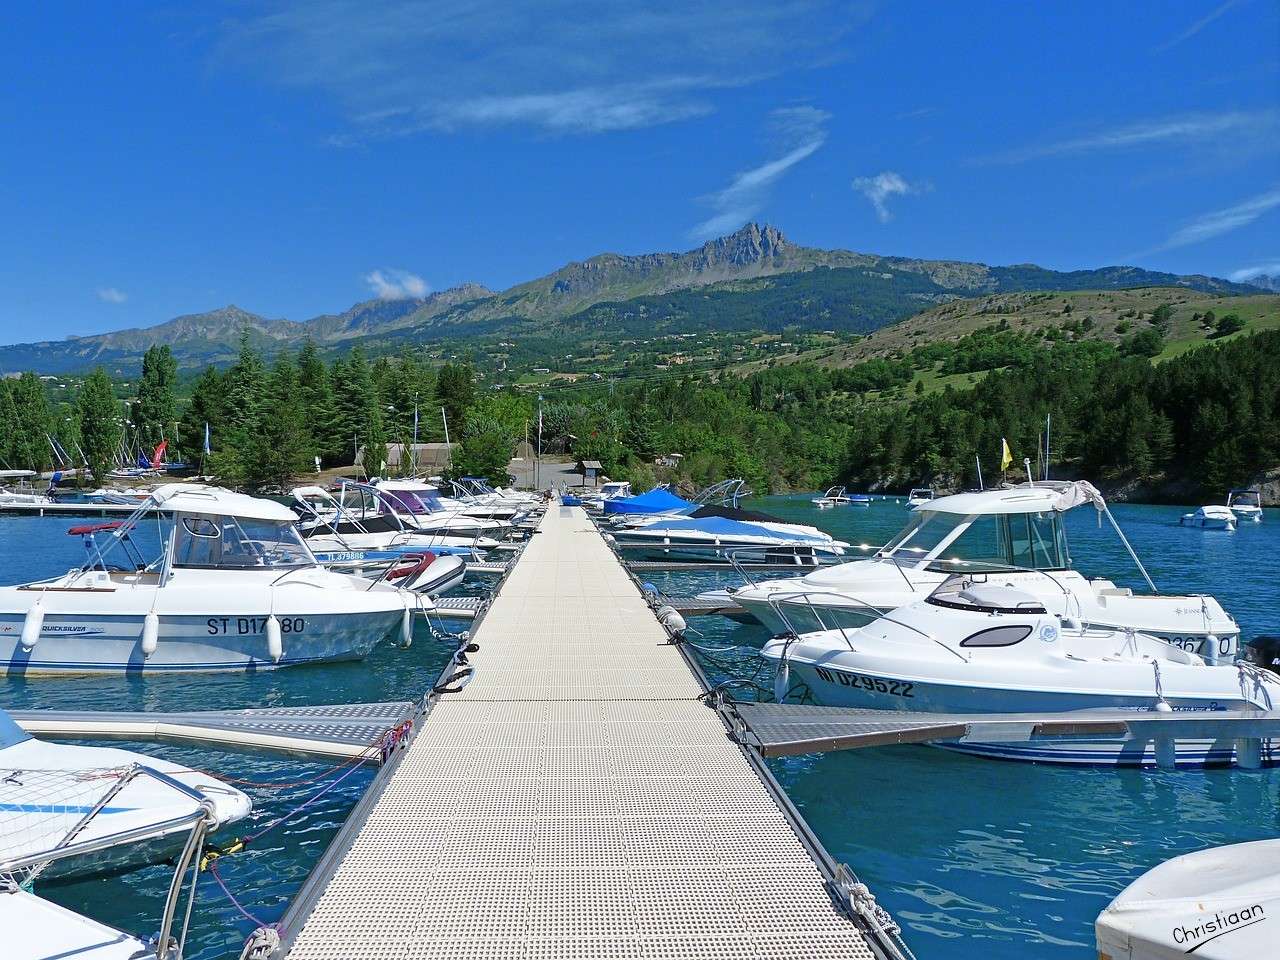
95,643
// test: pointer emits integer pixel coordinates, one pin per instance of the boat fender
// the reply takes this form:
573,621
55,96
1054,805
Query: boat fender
275,643
1161,706
32,625
406,629
782,681
1209,649
150,633
670,618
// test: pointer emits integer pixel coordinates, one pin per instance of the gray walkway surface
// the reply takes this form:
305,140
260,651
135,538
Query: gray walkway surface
575,800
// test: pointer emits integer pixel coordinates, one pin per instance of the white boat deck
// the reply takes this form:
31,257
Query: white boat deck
573,800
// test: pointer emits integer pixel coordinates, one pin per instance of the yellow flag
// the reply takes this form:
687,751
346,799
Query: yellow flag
1006,457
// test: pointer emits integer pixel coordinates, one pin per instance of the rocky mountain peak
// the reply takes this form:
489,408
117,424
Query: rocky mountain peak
751,244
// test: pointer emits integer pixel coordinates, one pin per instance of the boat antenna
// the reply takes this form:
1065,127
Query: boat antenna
1048,417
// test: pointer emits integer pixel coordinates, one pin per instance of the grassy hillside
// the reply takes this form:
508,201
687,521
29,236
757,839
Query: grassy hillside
1104,315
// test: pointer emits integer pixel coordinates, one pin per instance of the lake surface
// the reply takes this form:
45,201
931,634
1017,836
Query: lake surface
975,858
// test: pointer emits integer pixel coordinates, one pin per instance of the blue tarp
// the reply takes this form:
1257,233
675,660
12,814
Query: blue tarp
657,500
724,527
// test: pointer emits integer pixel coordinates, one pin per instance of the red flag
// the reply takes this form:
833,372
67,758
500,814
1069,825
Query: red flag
157,458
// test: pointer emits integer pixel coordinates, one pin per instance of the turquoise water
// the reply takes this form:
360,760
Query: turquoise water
975,858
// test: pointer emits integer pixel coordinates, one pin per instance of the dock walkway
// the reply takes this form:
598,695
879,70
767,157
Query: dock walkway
575,799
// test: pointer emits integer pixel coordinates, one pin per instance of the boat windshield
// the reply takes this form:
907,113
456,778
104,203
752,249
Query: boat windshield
10,732
412,501
949,542
208,541
1244,498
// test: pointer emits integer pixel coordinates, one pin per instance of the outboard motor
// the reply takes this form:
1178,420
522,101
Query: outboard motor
1264,651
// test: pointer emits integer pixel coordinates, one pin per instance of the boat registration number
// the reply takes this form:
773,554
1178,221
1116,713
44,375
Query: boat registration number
245,626
895,688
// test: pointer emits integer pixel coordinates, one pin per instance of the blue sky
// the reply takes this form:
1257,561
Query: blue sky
296,157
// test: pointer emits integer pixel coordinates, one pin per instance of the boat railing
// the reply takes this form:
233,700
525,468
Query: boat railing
21,870
806,596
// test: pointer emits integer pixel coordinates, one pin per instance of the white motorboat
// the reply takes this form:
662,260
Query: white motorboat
610,490
355,523
420,507
1214,903
16,489
725,533
132,808
475,497
919,496
1212,516
1016,537
234,588
1246,504
974,646
833,497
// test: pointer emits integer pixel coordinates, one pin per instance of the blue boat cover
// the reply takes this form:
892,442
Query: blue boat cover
724,527
657,500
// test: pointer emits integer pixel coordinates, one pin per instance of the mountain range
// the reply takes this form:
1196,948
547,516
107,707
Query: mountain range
754,278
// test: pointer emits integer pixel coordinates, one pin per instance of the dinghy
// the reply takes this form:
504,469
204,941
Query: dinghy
234,587
979,646
1215,904
1212,516
1016,537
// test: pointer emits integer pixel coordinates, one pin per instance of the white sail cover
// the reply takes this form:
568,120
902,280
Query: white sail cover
1218,904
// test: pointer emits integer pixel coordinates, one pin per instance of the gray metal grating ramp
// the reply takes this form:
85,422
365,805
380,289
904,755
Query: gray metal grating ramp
574,800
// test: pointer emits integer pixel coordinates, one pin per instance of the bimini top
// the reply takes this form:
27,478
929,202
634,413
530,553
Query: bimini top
657,500
199,498
1047,495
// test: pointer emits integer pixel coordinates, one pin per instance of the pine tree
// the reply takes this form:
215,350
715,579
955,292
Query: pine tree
455,389
319,405
278,447
99,423
8,426
155,413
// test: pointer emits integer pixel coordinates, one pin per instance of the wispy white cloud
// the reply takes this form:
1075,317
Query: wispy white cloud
799,132
388,284
111,295
1260,270
1185,129
1199,25
883,186
401,66
1215,224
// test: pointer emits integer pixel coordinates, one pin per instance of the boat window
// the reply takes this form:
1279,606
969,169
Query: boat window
997,636
1007,541
238,543
922,534
10,732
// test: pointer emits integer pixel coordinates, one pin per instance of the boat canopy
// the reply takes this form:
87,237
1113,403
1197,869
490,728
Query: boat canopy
657,500
728,528
215,501
17,474
1059,496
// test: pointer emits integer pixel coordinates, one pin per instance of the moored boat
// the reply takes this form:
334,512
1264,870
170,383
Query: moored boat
979,647
234,587
1014,537
1212,516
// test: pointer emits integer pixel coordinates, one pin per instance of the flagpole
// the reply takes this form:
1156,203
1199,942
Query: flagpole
977,460
537,463
447,448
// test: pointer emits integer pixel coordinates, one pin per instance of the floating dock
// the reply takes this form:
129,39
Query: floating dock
576,799
336,732
70,509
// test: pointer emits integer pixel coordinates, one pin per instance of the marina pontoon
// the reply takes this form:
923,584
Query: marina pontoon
234,587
